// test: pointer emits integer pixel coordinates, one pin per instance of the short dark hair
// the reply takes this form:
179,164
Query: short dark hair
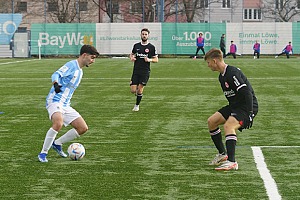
89,49
145,29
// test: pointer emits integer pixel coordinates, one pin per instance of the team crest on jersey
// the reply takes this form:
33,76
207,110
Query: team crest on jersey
226,85
147,50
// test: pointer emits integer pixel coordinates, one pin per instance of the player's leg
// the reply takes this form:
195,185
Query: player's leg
223,51
198,48
258,54
143,80
139,96
56,116
133,84
230,126
215,132
202,49
234,55
279,54
71,116
228,54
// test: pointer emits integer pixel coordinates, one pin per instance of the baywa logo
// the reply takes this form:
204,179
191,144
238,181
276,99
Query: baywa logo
69,39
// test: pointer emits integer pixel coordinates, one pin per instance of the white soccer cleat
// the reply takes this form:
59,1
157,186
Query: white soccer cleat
276,56
254,57
219,159
228,165
136,108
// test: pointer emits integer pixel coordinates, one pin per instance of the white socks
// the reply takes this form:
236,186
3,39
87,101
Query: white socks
68,136
50,137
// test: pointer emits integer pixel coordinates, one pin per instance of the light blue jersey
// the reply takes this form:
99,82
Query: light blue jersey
69,77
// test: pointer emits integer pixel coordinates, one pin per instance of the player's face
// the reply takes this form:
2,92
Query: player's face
89,59
212,64
144,36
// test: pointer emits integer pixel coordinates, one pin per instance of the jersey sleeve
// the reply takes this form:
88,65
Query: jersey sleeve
134,51
62,72
153,52
239,84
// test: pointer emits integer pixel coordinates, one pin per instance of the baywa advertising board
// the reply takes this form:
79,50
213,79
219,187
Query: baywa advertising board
61,39
168,38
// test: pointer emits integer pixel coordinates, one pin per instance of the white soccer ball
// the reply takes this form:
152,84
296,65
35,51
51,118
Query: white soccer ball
76,151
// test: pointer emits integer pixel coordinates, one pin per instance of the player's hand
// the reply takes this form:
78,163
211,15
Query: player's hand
132,58
57,87
247,123
147,59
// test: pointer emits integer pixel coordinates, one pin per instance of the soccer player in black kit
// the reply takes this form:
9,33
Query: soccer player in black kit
237,115
143,53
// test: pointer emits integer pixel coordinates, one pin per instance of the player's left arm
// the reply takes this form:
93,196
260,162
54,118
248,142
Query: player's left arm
153,57
242,89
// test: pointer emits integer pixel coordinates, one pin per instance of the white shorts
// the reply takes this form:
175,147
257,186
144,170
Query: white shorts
69,113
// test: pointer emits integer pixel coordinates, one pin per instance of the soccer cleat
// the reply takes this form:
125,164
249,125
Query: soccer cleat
219,159
136,108
195,57
42,157
254,57
276,56
58,149
228,165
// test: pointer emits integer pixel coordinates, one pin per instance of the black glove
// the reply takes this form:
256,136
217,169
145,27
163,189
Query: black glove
57,87
247,123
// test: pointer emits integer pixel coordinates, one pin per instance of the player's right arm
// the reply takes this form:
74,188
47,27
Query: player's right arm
132,57
55,76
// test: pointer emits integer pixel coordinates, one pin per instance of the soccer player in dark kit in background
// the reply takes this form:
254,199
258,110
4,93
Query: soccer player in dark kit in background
143,53
237,115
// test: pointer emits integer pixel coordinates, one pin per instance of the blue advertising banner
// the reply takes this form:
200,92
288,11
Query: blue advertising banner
8,25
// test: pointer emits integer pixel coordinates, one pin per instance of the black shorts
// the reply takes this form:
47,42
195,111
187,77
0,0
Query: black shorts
239,113
137,79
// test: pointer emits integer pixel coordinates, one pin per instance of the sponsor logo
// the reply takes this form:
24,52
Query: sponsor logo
67,39
229,93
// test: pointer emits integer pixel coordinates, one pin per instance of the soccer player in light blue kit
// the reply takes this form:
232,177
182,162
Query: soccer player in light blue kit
65,81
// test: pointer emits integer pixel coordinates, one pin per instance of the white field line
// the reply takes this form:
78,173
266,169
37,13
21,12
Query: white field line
175,79
269,182
18,61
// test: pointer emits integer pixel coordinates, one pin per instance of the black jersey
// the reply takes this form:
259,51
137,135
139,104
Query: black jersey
233,81
141,51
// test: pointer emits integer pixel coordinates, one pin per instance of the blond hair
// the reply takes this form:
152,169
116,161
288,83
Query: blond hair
214,53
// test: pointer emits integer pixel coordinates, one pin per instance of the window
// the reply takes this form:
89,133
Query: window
136,7
52,7
83,6
246,14
226,4
203,3
252,14
21,6
298,4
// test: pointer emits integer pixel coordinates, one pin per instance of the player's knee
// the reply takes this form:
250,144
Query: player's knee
83,129
211,122
57,126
